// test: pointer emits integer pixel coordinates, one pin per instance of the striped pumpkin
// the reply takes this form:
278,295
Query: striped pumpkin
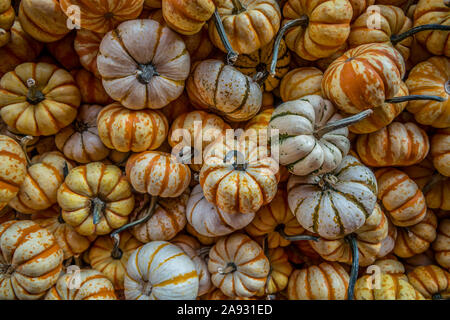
271,218
87,46
39,189
80,141
388,243
440,151
401,197
41,89
7,16
168,219
260,121
187,16
71,243
91,88
30,260
126,130
239,176
91,189
301,82
368,239
143,64
326,30
204,240
43,20
431,281
249,24
111,264
359,6
198,45
259,62
364,77
92,286
177,107
326,281
13,169
441,246
158,174
335,204
160,270
238,266
63,51
223,89
280,270
208,220
431,77
102,15
416,239
397,144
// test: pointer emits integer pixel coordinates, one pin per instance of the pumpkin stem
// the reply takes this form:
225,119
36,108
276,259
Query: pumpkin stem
148,214
436,178
145,73
299,237
239,162
351,239
302,21
415,97
237,7
61,219
98,208
230,268
147,289
7,269
400,37
116,252
447,86
231,54
24,141
203,252
34,95
342,123
447,3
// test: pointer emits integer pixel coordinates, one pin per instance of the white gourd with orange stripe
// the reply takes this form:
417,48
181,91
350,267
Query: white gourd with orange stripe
301,82
238,266
160,270
93,286
87,45
30,260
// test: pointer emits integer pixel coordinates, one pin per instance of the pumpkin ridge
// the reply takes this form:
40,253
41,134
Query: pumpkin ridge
37,187
177,279
408,202
392,186
149,168
24,232
93,277
168,259
101,293
150,261
216,85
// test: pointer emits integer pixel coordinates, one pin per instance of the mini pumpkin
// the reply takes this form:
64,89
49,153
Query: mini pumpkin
238,266
143,64
87,46
95,199
431,281
63,51
187,16
301,82
7,16
30,260
91,88
160,270
38,99
440,151
441,246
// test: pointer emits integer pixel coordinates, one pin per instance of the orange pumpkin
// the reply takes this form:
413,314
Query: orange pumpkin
87,46
7,16
187,16
91,88
64,52
102,15
441,246
301,82
198,45
431,281
440,151
359,6
280,270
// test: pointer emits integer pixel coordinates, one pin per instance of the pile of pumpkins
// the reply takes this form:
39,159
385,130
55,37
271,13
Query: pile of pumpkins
105,104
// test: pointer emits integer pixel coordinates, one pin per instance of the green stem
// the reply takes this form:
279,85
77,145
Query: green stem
342,123
231,54
400,37
230,268
351,238
116,252
34,95
297,237
99,206
414,97
436,178
238,7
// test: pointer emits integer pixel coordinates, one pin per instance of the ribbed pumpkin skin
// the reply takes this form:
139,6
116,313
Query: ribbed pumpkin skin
87,46
301,82
63,51
359,6
91,88
393,21
113,268
36,256
273,216
252,266
430,77
326,281
95,180
280,270
223,89
20,48
93,286
13,169
327,30
397,144
7,16
143,64
160,270
187,16
440,151
368,238
39,189
72,243
158,174
364,77
430,280
210,221
436,12
103,15
401,197
250,29
43,20
441,246
126,130
417,238
57,110
321,210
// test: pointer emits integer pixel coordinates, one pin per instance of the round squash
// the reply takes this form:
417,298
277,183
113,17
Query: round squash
87,46
91,88
440,151
7,16
431,281
301,82
63,51
441,246
187,16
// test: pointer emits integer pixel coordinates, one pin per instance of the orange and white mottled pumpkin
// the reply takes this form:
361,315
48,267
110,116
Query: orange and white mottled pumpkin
63,51
143,64
87,46
30,260
238,266
160,270
441,246
187,16
91,88
301,82
440,151
95,199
